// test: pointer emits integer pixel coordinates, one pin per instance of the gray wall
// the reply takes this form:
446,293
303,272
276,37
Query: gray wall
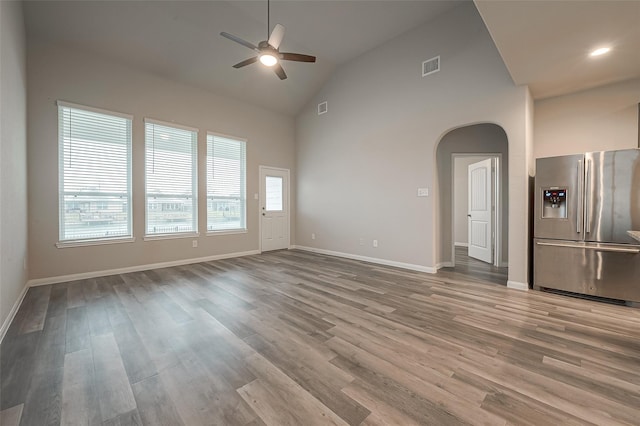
604,118
480,138
360,164
56,72
13,156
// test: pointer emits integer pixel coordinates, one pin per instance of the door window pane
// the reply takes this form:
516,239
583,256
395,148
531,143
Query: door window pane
273,185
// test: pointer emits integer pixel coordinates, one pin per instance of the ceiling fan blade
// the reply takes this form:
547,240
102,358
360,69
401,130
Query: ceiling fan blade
240,41
276,36
246,62
277,68
298,57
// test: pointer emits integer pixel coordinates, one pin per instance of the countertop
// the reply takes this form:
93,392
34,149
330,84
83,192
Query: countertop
634,234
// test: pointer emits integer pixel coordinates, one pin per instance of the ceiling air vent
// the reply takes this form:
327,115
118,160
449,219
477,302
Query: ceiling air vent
430,66
322,107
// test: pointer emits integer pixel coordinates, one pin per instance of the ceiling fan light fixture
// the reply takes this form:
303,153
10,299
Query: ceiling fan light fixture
600,51
268,59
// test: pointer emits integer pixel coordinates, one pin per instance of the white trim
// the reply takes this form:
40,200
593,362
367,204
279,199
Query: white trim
84,243
517,285
194,179
222,135
137,268
497,202
12,313
170,124
177,235
242,143
461,244
227,232
385,262
444,265
65,104
262,199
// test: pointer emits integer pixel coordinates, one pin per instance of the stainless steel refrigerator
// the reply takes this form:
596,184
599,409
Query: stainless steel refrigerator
587,224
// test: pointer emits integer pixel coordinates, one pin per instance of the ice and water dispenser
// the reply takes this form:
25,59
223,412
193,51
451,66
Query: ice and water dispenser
554,203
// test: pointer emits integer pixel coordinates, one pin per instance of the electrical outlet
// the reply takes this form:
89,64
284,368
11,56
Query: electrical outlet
361,241
375,243
423,192
313,236
194,243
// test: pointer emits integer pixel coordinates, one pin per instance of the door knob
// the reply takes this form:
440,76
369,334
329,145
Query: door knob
469,215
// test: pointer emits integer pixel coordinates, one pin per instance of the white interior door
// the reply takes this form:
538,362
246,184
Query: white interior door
274,208
480,210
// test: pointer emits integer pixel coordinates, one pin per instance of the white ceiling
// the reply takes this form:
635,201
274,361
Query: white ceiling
546,44
181,40
543,43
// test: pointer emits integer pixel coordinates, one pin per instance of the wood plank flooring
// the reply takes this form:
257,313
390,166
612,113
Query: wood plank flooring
474,270
294,338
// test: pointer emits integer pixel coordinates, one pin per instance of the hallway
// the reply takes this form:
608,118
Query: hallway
471,269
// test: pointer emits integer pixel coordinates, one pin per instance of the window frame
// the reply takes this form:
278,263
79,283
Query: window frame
194,184
244,227
79,242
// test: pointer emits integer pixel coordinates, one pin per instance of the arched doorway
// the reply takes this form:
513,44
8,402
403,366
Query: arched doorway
457,149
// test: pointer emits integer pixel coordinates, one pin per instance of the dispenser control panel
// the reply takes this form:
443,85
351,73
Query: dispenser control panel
554,203
555,197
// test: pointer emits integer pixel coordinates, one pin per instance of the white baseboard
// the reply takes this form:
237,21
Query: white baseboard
12,313
517,285
137,268
444,265
385,262
461,244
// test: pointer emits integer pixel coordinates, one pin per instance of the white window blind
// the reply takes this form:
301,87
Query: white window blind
226,186
171,179
94,154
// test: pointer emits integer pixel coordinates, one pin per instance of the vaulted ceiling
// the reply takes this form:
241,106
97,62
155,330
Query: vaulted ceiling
543,43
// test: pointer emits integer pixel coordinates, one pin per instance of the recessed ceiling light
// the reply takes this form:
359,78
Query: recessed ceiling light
600,51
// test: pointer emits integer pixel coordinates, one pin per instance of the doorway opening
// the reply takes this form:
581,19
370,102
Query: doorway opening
472,163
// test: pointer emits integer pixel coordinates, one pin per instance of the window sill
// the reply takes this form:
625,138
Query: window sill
85,243
171,236
226,232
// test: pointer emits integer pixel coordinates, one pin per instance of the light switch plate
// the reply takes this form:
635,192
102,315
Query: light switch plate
423,192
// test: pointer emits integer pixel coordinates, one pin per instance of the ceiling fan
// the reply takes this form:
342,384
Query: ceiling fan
268,50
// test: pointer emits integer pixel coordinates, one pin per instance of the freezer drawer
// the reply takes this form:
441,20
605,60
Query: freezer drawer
605,270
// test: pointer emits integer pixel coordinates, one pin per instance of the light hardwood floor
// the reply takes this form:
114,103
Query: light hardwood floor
474,270
293,338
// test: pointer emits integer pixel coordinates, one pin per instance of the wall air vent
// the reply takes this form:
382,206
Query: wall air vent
430,66
322,107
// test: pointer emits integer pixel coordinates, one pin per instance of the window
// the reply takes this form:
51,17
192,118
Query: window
171,179
226,187
273,190
94,154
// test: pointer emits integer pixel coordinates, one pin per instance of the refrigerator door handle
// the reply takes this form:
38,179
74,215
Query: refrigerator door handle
601,248
587,197
580,212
